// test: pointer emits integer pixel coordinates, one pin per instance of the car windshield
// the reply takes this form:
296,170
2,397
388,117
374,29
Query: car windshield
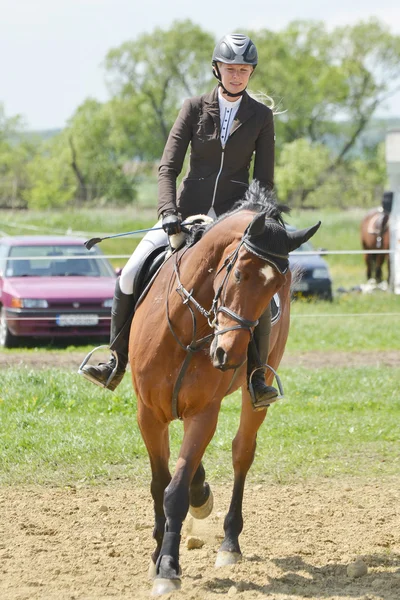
56,261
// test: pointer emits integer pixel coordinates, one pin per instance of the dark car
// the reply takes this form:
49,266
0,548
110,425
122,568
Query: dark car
52,287
311,273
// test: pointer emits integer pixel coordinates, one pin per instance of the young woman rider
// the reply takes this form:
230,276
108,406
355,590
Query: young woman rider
224,129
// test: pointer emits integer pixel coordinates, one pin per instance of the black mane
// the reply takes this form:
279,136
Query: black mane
257,199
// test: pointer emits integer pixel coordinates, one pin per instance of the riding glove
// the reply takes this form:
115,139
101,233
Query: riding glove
171,224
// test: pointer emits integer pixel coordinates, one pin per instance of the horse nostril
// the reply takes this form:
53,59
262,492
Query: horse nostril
220,356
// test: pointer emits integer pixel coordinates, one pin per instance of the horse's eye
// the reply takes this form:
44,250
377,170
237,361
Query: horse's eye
237,275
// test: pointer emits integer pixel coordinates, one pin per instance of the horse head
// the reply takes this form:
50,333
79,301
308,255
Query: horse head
249,274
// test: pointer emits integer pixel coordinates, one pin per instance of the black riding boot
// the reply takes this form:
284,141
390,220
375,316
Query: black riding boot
121,318
257,356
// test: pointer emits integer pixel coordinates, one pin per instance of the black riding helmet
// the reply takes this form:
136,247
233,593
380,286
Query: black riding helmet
234,49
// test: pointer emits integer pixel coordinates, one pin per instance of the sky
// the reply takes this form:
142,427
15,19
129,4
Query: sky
51,51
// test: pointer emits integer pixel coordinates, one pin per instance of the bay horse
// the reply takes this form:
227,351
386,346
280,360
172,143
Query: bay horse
374,232
188,348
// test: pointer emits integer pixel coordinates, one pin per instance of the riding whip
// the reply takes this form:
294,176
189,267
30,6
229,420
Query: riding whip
96,240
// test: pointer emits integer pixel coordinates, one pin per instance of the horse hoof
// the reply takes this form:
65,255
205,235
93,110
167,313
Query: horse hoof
152,572
202,512
165,586
227,558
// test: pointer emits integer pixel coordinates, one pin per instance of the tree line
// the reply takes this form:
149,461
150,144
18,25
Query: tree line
325,87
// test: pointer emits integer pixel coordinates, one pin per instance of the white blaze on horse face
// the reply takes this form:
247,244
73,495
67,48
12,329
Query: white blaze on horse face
268,272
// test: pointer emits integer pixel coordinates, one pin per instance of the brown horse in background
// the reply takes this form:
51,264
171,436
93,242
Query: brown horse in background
188,350
375,236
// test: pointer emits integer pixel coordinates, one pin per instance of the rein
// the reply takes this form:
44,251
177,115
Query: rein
211,316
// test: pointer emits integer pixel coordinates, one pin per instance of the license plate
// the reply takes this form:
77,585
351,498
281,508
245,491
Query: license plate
302,286
80,320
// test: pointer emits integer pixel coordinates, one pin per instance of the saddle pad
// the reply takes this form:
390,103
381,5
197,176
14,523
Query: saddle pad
377,225
275,309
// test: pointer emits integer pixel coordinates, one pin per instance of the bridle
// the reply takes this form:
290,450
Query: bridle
211,315
216,306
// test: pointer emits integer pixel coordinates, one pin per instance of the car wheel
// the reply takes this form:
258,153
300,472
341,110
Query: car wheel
7,340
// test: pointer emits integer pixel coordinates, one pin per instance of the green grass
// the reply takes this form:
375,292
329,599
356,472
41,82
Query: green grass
352,322
56,428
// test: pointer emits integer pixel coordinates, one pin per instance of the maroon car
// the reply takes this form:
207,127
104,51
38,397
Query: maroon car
52,287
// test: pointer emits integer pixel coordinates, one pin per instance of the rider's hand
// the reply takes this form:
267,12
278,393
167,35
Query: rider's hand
171,224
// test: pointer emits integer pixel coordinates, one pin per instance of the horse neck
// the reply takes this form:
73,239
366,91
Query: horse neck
200,263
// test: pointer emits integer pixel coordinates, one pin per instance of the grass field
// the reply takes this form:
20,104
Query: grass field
56,428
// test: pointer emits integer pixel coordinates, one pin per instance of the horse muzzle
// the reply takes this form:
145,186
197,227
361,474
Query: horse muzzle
221,359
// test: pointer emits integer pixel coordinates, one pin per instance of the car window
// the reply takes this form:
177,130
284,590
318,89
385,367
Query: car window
56,261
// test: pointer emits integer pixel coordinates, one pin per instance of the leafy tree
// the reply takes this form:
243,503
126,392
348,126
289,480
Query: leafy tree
354,182
298,170
322,78
84,163
330,84
15,154
151,76
52,184
327,86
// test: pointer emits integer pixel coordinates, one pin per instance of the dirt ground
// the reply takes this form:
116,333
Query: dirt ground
94,543
72,360
298,540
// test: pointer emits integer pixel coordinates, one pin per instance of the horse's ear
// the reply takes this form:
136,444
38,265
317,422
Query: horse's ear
257,226
296,238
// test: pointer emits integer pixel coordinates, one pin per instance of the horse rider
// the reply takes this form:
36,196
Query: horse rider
224,129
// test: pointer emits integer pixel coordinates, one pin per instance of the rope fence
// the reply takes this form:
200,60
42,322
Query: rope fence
115,256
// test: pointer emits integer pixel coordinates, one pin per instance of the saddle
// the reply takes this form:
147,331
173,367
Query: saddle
148,272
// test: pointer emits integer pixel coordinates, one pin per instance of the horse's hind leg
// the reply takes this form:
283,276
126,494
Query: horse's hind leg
379,263
369,264
243,450
155,436
200,495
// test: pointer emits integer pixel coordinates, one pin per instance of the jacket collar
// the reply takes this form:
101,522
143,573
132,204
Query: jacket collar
245,110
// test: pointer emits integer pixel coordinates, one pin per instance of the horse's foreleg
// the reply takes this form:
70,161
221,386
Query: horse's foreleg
243,450
198,432
155,436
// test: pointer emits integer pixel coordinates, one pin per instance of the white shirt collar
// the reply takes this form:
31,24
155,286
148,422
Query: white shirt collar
224,103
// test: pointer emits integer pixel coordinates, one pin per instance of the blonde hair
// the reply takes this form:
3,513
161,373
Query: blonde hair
268,101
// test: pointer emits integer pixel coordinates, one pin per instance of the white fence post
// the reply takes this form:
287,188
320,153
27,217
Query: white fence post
393,171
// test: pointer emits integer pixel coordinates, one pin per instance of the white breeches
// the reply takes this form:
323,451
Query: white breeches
153,239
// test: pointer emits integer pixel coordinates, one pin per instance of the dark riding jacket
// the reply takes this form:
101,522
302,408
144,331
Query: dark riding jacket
216,176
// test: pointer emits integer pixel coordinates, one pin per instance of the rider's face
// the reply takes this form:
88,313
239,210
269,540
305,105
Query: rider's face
234,77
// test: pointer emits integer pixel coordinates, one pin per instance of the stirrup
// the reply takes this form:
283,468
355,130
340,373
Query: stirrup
86,359
251,390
